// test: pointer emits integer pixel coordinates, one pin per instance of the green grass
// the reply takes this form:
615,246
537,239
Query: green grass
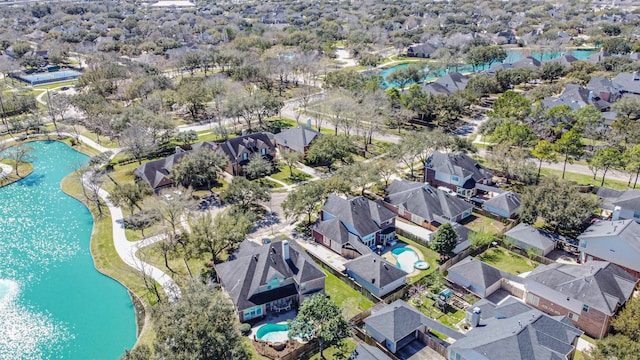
338,353
209,136
449,318
508,261
285,176
55,85
586,179
349,300
484,224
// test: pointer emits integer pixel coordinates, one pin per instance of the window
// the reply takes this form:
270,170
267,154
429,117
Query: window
263,151
533,300
455,179
245,156
303,286
585,308
573,316
636,214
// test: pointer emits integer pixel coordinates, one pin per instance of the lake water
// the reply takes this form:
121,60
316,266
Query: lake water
512,56
53,303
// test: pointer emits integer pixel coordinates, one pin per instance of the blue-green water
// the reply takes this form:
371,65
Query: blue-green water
53,303
512,56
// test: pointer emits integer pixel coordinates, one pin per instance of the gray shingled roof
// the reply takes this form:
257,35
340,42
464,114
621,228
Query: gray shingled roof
508,201
626,199
364,215
156,173
296,138
479,272
627,82
256,266
529,235
398,319
425,201
527,62
453,81
516,331
250,144
368,352
459,164
626,231
599,284
374,267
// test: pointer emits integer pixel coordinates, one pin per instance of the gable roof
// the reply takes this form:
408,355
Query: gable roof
363,215
424,48
398,319
453,80
626,199
566,59
478,272
627,82
624,231
459,164
516,331
526,62
374,267
254,267
368,352
599,284
425,201
156,173
296,138
250,144
599,56
508,201
529,235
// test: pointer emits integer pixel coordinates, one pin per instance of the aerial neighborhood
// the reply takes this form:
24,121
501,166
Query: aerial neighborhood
370,180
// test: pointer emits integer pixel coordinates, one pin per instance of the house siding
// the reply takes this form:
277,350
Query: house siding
612,249
594,323
496,211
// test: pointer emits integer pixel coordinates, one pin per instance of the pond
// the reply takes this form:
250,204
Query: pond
512,56
53,303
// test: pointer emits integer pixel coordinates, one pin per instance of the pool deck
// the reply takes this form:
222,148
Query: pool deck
272,319
390,258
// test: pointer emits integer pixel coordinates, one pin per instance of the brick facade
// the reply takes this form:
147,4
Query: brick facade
593,322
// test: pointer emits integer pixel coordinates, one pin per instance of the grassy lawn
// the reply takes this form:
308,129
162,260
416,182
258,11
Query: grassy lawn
338,353
508,261
480,223
428,255
449,318
104,140
55,85
285,176
349,300
209,136
586,179
24,170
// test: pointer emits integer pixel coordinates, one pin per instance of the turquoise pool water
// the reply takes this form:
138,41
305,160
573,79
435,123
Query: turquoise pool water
273,332
512,56
405,258
53,303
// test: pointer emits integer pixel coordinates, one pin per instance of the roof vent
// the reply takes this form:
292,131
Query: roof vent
373,280
255,257
385,266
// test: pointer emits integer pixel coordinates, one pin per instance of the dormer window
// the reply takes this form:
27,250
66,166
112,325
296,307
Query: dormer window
263,151
245,156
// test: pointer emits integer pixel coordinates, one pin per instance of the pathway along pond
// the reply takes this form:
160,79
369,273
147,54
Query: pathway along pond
53,303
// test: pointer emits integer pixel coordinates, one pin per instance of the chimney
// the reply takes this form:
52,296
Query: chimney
474,317
616,214
285,250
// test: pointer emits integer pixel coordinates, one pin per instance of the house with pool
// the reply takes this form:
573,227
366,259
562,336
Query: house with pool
353,227
271,278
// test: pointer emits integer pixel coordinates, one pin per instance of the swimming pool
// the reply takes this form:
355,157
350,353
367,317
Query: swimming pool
275,333
405,258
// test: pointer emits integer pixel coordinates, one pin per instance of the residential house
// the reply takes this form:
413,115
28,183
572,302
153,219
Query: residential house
425,205
527,61
614,241
270,278
478,277
628,83
599,56
514,331
589,295
463,242
603,89
565,60
376,274
576,97
421,50
242,149
526,237
505,37
500,202
620,204
447,84
157,173
456,171
296,139
398,324
368,352
350,226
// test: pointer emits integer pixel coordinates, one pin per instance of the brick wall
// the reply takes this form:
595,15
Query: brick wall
594,323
